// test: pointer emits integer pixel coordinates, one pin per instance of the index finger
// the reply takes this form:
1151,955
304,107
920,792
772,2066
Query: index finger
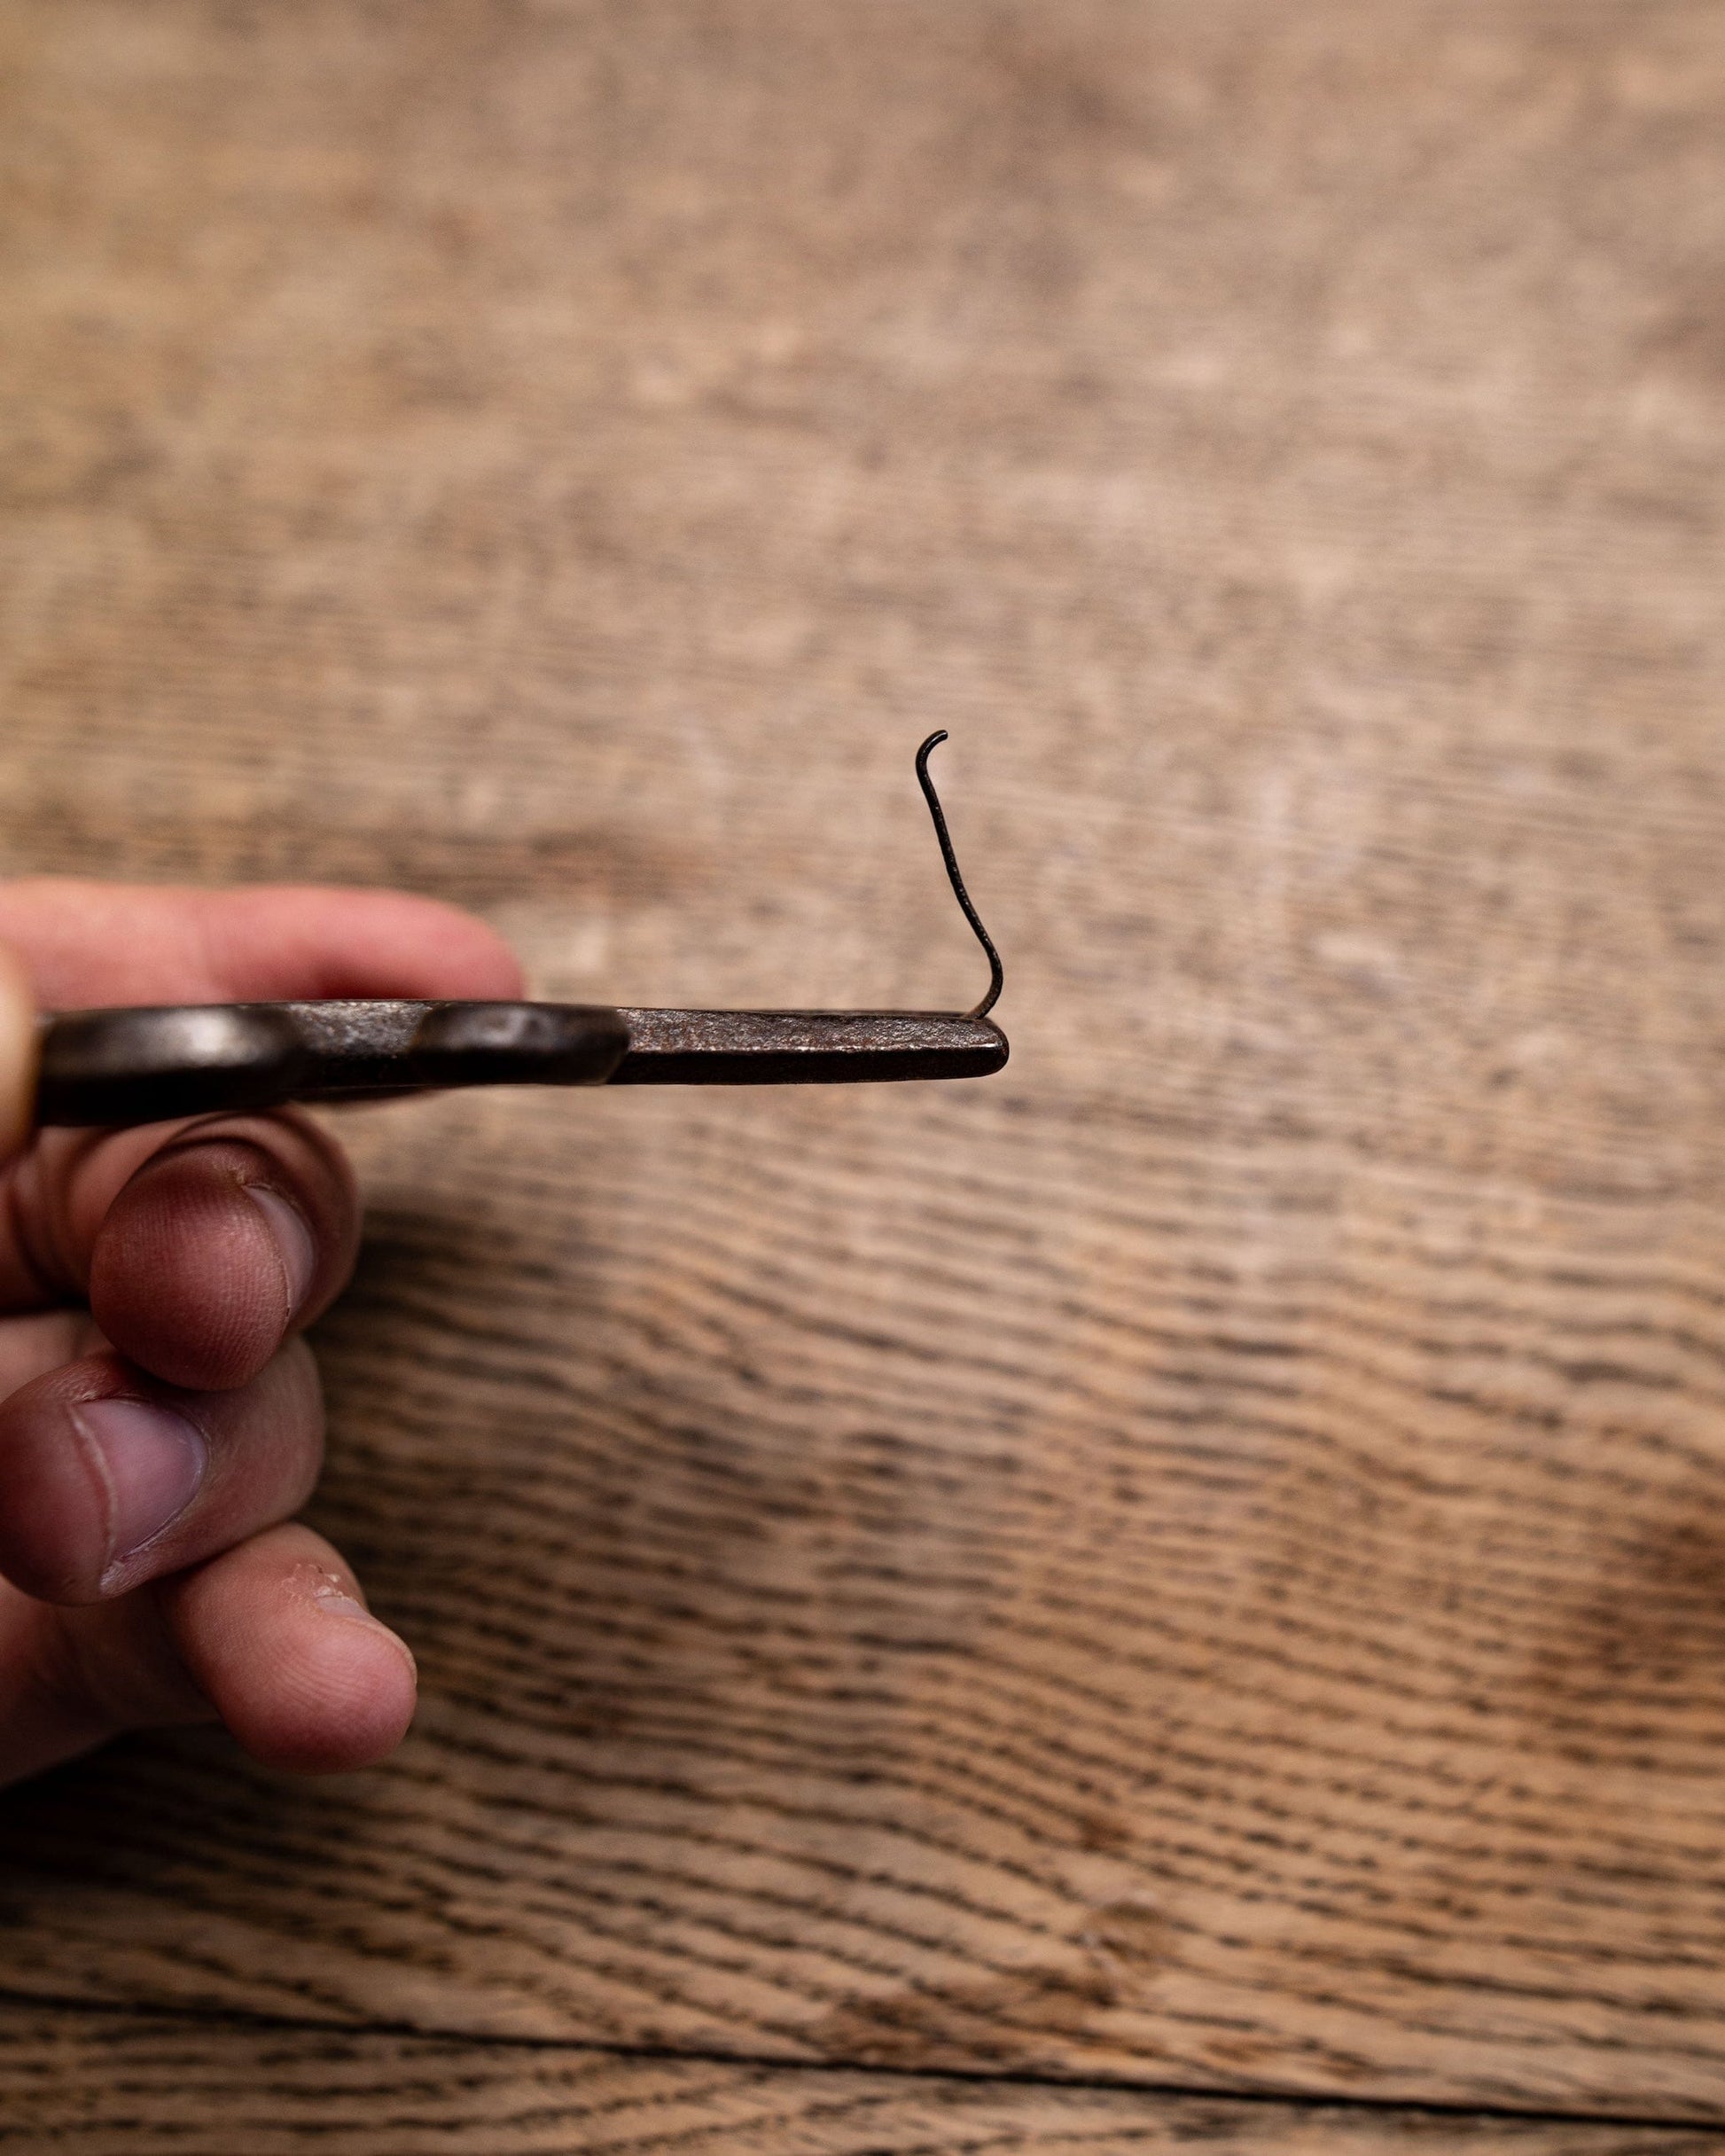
18,1053
87,945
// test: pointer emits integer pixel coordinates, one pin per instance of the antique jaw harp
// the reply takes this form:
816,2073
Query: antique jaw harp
123,1066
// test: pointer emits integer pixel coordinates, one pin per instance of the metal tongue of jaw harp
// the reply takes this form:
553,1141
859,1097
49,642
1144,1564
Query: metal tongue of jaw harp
120,1066
825,1047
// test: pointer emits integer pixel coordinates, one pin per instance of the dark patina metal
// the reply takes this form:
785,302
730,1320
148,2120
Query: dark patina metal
144,1066
804,1047
149,1065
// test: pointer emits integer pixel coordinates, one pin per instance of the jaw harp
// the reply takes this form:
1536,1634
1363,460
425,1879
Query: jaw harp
124,1066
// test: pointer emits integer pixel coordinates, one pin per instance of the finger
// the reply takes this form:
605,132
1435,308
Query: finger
72,1678
17,1052
273,1637
108,1479
221,1245
31,1346
200,1247
278,1636
87,944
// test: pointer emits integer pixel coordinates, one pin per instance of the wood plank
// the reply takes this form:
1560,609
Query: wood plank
109,2083
1199,1560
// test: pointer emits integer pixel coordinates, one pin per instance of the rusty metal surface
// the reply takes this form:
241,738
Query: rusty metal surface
805,1047
145,1066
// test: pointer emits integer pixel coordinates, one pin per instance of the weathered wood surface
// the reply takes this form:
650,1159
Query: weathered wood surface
1202,1559
87,2084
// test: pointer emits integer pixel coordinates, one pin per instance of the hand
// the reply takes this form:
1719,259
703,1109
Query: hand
161,1421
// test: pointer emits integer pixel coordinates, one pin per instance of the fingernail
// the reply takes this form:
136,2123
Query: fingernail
339,1603
152,1462
293,1240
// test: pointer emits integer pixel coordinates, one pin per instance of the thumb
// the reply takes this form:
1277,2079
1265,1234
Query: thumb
18,1053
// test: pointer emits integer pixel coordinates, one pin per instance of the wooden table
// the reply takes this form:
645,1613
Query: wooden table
1177,1594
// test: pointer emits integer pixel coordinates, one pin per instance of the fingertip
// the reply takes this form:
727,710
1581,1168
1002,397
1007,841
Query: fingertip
304,1676
186,1277
342,1694
220,1246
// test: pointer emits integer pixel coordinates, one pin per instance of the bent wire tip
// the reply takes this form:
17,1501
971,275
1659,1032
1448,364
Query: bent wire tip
996,976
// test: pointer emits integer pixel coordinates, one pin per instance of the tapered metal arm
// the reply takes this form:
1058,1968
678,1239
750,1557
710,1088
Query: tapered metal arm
150,1065
804,1047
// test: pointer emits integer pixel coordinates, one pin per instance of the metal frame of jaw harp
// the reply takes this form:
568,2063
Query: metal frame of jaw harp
148,1065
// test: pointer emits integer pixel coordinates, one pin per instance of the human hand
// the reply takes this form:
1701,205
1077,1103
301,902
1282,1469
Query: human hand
161,1420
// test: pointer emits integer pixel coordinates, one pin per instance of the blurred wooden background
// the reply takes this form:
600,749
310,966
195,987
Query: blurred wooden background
1196,1567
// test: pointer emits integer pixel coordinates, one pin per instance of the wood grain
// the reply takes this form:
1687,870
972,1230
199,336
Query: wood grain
103,2085
1200,1560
